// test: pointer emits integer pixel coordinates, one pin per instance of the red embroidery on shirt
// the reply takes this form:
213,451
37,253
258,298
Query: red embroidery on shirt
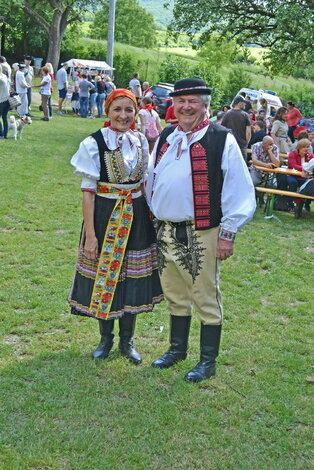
200,185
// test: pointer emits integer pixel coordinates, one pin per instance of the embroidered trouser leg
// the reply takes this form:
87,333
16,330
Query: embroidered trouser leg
190,271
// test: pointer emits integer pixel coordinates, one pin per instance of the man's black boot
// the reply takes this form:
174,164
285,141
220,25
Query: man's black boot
179,336
210,340
127,326
106,339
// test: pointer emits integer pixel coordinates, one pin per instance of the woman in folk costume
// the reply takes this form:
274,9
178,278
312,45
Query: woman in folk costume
116,271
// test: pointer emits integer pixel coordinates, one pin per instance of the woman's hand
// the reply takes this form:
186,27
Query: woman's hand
91,248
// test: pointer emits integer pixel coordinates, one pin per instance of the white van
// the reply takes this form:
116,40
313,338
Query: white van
271,97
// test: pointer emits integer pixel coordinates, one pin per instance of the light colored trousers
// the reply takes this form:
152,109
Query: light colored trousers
189,271
23,109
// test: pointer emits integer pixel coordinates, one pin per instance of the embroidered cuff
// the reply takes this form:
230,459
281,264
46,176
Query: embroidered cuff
226,235
88,190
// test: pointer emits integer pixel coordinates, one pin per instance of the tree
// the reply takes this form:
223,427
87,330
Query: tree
134,25
217,51
285,27
52,16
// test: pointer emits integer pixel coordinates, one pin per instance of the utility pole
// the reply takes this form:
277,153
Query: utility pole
110,42
1,30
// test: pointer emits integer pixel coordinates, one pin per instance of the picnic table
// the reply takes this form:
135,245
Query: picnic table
281,170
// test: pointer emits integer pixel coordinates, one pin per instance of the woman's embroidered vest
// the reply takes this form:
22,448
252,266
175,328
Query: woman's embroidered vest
112,167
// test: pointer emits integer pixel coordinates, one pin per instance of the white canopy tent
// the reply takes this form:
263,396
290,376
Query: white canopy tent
89,64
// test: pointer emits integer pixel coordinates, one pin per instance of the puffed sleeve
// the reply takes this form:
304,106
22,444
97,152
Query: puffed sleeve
86,163
238,194
145,152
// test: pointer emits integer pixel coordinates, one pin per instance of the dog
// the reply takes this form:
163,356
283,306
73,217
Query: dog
17,125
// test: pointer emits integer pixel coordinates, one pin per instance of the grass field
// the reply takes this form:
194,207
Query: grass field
60,410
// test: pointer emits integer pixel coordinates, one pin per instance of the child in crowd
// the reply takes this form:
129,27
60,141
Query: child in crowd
75,101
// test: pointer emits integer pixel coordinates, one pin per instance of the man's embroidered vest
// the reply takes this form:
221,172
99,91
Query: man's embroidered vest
207,178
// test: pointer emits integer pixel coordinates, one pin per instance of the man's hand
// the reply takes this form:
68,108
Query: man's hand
224,249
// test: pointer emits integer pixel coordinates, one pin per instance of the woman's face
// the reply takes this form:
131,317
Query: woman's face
121,114
284,116
303,151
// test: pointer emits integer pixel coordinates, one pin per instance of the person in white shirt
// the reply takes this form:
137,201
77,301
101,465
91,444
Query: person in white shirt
29,74
200,191
21,88
62,83
45,91
4,103
147,92
119,281
135,87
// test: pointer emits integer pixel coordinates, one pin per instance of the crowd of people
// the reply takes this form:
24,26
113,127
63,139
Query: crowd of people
85,91
269,136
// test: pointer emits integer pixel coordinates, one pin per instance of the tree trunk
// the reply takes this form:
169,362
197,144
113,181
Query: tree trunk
55,38
53,55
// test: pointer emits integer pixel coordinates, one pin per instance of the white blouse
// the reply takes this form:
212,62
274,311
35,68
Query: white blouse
169,185
86,160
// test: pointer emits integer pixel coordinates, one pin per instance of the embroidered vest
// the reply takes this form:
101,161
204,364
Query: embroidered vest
112,167
207,178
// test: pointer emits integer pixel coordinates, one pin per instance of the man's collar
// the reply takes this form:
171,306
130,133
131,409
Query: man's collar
200,126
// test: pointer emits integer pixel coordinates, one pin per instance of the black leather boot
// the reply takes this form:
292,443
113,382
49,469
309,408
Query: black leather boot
127,326
179,336
210,340
106,339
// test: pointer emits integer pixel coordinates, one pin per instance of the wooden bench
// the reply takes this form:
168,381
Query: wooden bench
271,198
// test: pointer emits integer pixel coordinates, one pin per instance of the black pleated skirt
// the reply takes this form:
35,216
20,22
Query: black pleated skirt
138,288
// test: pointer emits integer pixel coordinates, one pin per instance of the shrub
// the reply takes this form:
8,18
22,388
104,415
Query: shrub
125,65
236,80
173,68
212,78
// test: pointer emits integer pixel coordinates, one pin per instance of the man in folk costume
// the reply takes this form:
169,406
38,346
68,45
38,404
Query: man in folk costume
201,193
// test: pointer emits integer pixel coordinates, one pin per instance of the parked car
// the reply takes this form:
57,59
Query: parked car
304,125
161,97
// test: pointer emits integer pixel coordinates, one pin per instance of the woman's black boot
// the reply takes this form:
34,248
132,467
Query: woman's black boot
127,326
179,336
206,367
106,339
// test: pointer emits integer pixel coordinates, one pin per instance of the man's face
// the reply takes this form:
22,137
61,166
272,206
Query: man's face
268,145
190,110
262,114
145,86
27,62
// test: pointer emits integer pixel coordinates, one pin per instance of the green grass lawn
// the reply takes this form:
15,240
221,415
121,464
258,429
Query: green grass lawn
61,410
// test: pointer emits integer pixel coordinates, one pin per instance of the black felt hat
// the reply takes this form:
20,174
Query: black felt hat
190,86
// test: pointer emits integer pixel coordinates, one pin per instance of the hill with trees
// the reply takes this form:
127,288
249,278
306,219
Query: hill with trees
162,15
